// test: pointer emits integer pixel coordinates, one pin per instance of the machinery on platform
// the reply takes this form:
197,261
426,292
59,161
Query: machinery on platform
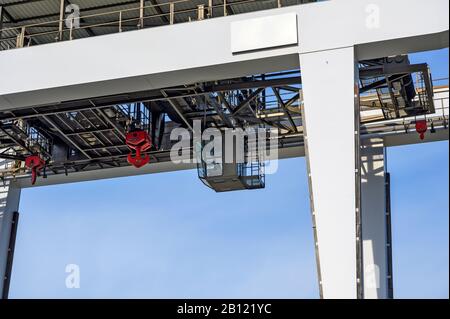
398,94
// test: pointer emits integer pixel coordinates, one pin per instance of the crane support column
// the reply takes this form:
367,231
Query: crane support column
9,204
375,216
331,123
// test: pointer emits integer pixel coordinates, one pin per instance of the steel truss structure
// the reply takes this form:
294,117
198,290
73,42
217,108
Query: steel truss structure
90,134
80,135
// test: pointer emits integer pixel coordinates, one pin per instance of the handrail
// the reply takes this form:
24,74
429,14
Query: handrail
119,21
444,81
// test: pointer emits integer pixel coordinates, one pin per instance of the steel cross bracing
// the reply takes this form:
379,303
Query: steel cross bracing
82,135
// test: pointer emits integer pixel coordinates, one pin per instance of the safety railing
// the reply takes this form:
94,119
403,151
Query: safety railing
441,98
145,16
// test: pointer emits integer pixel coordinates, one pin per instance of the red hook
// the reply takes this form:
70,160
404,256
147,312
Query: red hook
421,128
35,163
139,141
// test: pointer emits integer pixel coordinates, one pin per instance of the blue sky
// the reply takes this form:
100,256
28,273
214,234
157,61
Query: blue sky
168,236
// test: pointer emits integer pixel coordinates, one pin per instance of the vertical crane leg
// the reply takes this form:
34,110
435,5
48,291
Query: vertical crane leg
9,204
375,217
331,123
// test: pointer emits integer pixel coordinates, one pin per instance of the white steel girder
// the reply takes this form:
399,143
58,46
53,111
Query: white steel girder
9,204
347,181
331,142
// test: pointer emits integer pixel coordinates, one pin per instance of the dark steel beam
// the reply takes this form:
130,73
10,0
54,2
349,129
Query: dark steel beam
254,84
14,139
230,10
96,135
142,96
62,120
292,100
89,131
65,137
7,15
248,101
1,20
388,70
381,83
218,108
112,123
160,12
177,110
20,2
6,281
105,147
286,110
393,98
389,236
12,157
225,102
105,123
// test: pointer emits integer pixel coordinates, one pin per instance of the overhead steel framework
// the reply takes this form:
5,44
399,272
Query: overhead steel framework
336,93
89,134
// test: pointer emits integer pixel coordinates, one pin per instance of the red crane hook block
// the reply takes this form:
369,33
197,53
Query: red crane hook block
35,163
422,128
139,141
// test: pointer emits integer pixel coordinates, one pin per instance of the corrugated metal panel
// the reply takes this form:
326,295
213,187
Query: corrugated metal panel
37,11
87,4
6,2
33,9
